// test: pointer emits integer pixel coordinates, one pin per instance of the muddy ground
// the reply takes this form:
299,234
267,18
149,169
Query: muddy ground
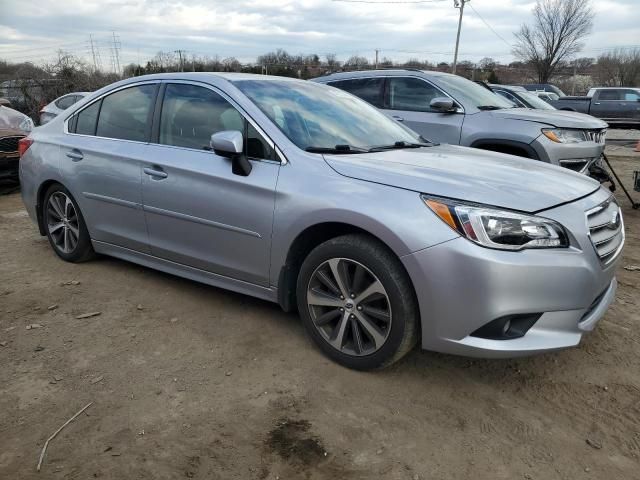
189,381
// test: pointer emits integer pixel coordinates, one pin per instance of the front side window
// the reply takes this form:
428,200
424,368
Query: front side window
368,89
316,116
413,94
125,114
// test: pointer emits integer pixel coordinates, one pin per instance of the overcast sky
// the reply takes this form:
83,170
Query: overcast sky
33,30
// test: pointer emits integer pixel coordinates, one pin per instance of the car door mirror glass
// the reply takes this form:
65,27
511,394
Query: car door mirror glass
443,104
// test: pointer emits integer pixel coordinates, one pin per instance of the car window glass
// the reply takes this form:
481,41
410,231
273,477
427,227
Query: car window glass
191,114
411,94
257,146
631,96
509,97
86,119
610,95
125,113
65,102
368,89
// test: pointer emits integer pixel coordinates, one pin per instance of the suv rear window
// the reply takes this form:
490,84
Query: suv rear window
368,89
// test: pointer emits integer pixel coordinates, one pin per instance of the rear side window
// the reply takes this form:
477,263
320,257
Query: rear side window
610,95
413,94
65,102
125,114
368,89
86,119
631,96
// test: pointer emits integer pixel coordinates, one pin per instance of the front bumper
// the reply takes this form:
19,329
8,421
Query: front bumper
576,156
462,287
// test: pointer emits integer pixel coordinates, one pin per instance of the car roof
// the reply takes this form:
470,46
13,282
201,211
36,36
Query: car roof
516,88
382,73
204,76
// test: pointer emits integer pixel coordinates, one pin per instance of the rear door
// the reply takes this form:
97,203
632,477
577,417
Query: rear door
198,212
407,99
102,156
630,104
607,104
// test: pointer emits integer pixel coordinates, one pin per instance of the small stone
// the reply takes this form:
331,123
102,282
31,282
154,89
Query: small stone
587,469
133,335
33,325
58,378
228,374
3,344
39,348
88,315
379,452
75,282
593,443
52,307
416,477
36,309
173,320
605,388
140,307
97,379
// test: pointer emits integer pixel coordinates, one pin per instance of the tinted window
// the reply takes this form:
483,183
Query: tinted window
66,102
368,89
86,119
406,93
631,96
191,114
610,95
257,146
510,97
125,113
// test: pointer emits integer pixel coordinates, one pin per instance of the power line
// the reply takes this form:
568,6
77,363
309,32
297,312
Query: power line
489,26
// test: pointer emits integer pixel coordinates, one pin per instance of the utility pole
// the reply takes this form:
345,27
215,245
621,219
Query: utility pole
116,53
458,4
575,72
377,58
93,53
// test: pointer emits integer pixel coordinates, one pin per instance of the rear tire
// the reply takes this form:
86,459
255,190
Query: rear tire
357,303
65,226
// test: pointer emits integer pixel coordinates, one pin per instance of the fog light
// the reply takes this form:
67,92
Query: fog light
506,326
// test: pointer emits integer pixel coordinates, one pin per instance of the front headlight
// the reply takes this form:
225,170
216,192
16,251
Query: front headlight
563,135
26,125
501,229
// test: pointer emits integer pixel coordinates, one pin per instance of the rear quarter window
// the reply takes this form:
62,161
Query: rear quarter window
368,89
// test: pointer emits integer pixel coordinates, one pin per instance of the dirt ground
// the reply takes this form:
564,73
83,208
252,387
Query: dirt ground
189,381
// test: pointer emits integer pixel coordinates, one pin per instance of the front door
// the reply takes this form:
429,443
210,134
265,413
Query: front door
408,101
198,212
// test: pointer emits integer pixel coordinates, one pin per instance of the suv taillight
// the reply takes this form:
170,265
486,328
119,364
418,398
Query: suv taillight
24,144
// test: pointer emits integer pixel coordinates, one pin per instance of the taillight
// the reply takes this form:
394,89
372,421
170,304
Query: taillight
24,144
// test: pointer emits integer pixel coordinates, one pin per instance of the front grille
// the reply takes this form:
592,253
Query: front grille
596,135
9,144
606,230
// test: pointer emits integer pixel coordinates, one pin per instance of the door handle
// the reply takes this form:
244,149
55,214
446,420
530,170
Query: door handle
75,155
398,118
155,173
597,103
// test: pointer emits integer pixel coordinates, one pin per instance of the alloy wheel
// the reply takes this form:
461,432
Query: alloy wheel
62,222
349,306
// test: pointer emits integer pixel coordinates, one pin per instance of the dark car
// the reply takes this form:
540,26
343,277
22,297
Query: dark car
611,104
13,126
544,87
520,97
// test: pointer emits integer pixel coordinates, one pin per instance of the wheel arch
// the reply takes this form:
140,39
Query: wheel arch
42,190
511,147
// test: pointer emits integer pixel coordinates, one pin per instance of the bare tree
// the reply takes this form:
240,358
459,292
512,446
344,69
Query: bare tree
619,68
555,35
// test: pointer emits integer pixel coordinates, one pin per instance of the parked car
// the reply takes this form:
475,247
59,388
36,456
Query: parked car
13,127
544,87
59,105
520,97
450,109
614,105
302,194
548,97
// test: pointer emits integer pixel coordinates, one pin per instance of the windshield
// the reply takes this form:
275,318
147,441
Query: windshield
535,101
459,87
315,116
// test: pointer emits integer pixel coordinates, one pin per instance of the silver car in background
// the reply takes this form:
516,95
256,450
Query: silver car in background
59,105
302,194
450,109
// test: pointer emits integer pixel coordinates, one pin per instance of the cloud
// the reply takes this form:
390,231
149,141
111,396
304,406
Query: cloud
247,28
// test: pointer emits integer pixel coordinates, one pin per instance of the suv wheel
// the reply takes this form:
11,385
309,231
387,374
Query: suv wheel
357,303
66,230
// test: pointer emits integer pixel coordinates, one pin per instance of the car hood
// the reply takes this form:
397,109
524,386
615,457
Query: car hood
557,118
469,174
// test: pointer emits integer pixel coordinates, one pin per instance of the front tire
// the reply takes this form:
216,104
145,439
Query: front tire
357,303
65,226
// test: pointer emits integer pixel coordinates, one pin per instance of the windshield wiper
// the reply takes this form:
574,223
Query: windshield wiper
338,149
399,145
489,107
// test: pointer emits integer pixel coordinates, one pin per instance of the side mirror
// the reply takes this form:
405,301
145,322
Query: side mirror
443,104
229,144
